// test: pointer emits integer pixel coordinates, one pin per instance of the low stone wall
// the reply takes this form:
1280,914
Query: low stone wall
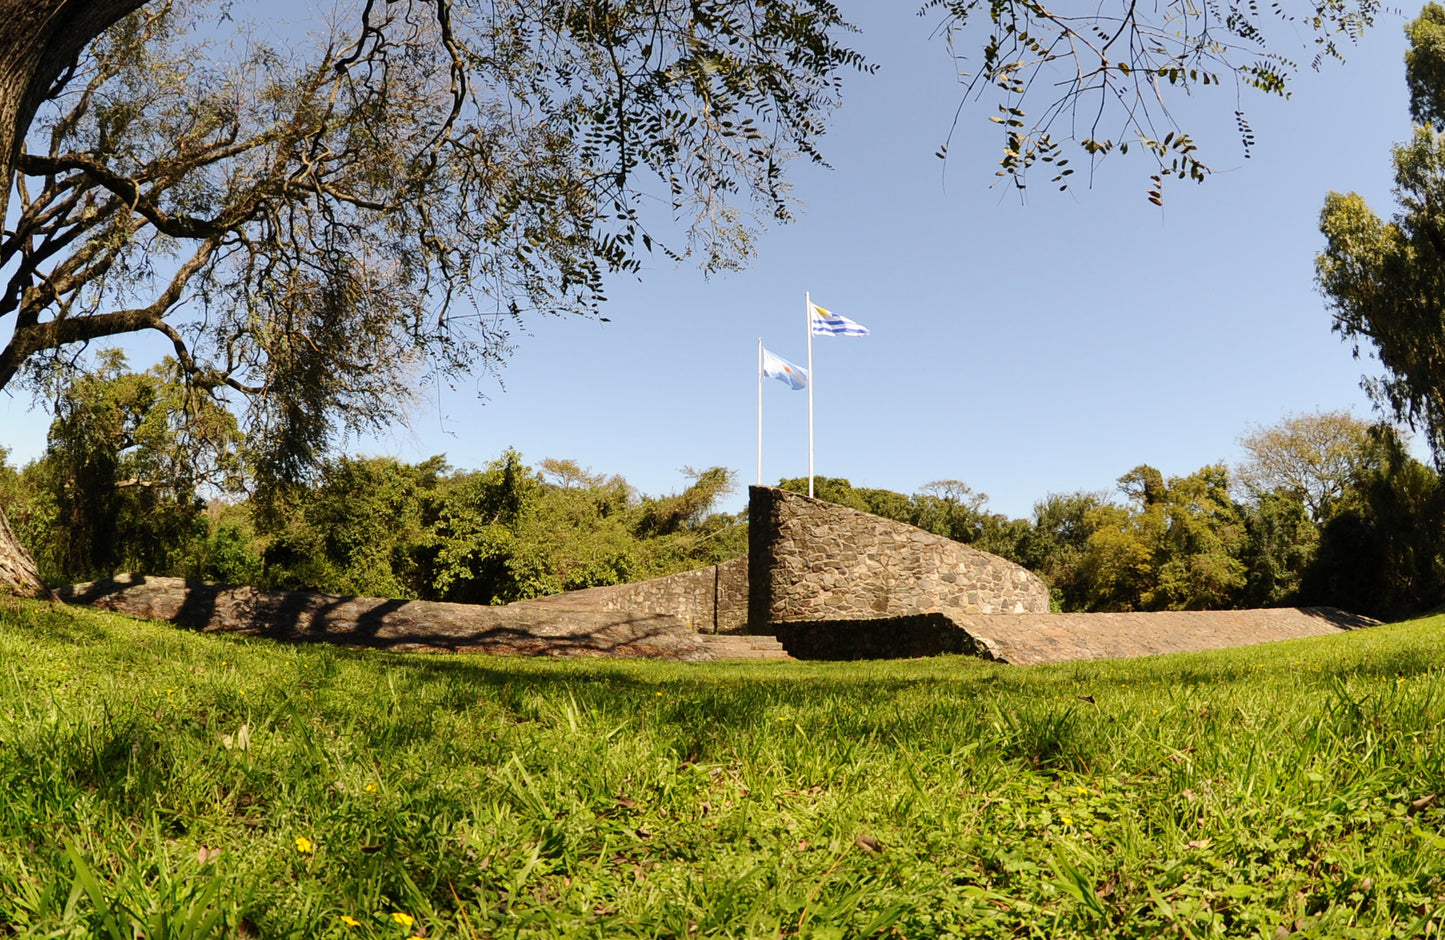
294,616
709,600
812,560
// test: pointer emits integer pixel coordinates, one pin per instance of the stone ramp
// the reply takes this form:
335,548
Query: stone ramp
300,617
1029,639
1032,639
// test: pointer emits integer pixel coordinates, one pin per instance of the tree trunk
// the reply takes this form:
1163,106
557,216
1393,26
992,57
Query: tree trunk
17,571
39,40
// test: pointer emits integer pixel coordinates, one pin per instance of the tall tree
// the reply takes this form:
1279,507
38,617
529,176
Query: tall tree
1311,457
1385,281
127,461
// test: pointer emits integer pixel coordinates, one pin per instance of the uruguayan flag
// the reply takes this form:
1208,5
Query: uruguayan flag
776,367
827,323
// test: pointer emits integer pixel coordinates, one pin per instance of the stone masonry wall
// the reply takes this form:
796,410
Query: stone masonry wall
709,600
813,560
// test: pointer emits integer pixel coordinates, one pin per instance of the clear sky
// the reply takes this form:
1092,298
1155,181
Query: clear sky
1023,348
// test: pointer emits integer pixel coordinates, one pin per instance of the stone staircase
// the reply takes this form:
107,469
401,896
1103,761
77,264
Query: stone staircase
737,646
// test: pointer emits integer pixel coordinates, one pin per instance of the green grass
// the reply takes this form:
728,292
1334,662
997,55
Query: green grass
157,782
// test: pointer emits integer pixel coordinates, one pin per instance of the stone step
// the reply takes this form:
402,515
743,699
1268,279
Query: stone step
733,646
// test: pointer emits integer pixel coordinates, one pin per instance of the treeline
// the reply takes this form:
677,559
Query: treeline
378,527
1326,510
140,474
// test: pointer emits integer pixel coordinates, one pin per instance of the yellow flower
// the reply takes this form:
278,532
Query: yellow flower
1066,820
404,919
1083,791
350,921
371,788
303,844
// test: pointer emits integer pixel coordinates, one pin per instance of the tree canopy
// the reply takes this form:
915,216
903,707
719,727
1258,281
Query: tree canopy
1385,280
313,226
1313,458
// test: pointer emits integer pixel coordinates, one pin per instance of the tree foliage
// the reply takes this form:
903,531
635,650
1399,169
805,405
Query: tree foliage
311,227
129,460
1385,281
1312,457
378,527
1096,80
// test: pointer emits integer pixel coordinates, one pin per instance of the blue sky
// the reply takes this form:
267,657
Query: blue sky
1024,349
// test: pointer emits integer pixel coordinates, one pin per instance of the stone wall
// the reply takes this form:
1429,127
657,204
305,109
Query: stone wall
709,600
813,560
298,617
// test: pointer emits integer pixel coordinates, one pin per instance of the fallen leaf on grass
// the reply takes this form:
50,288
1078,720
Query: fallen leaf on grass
1423,803
868,844
205,855
1200,843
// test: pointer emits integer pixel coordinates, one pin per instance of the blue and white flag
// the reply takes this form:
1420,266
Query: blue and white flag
827,323
776,367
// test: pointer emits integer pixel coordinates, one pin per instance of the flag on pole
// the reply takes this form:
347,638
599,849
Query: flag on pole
827,323
776,367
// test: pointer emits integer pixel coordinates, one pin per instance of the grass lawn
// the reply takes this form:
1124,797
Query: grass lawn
160,783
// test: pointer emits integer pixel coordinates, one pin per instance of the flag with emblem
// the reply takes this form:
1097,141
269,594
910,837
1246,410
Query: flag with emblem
827,323
776,367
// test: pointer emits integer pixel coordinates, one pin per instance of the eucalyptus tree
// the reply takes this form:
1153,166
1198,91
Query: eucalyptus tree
1385,280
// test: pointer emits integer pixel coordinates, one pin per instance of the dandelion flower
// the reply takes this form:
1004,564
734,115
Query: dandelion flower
350,921
404,919
371,788
303,844
1067,821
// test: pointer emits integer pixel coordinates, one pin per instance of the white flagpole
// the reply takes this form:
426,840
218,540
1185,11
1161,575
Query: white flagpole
808,314
760,411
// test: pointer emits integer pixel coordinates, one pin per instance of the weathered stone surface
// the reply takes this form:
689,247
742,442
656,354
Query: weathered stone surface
1032,639
709,600
518,629
810,560
1054,638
